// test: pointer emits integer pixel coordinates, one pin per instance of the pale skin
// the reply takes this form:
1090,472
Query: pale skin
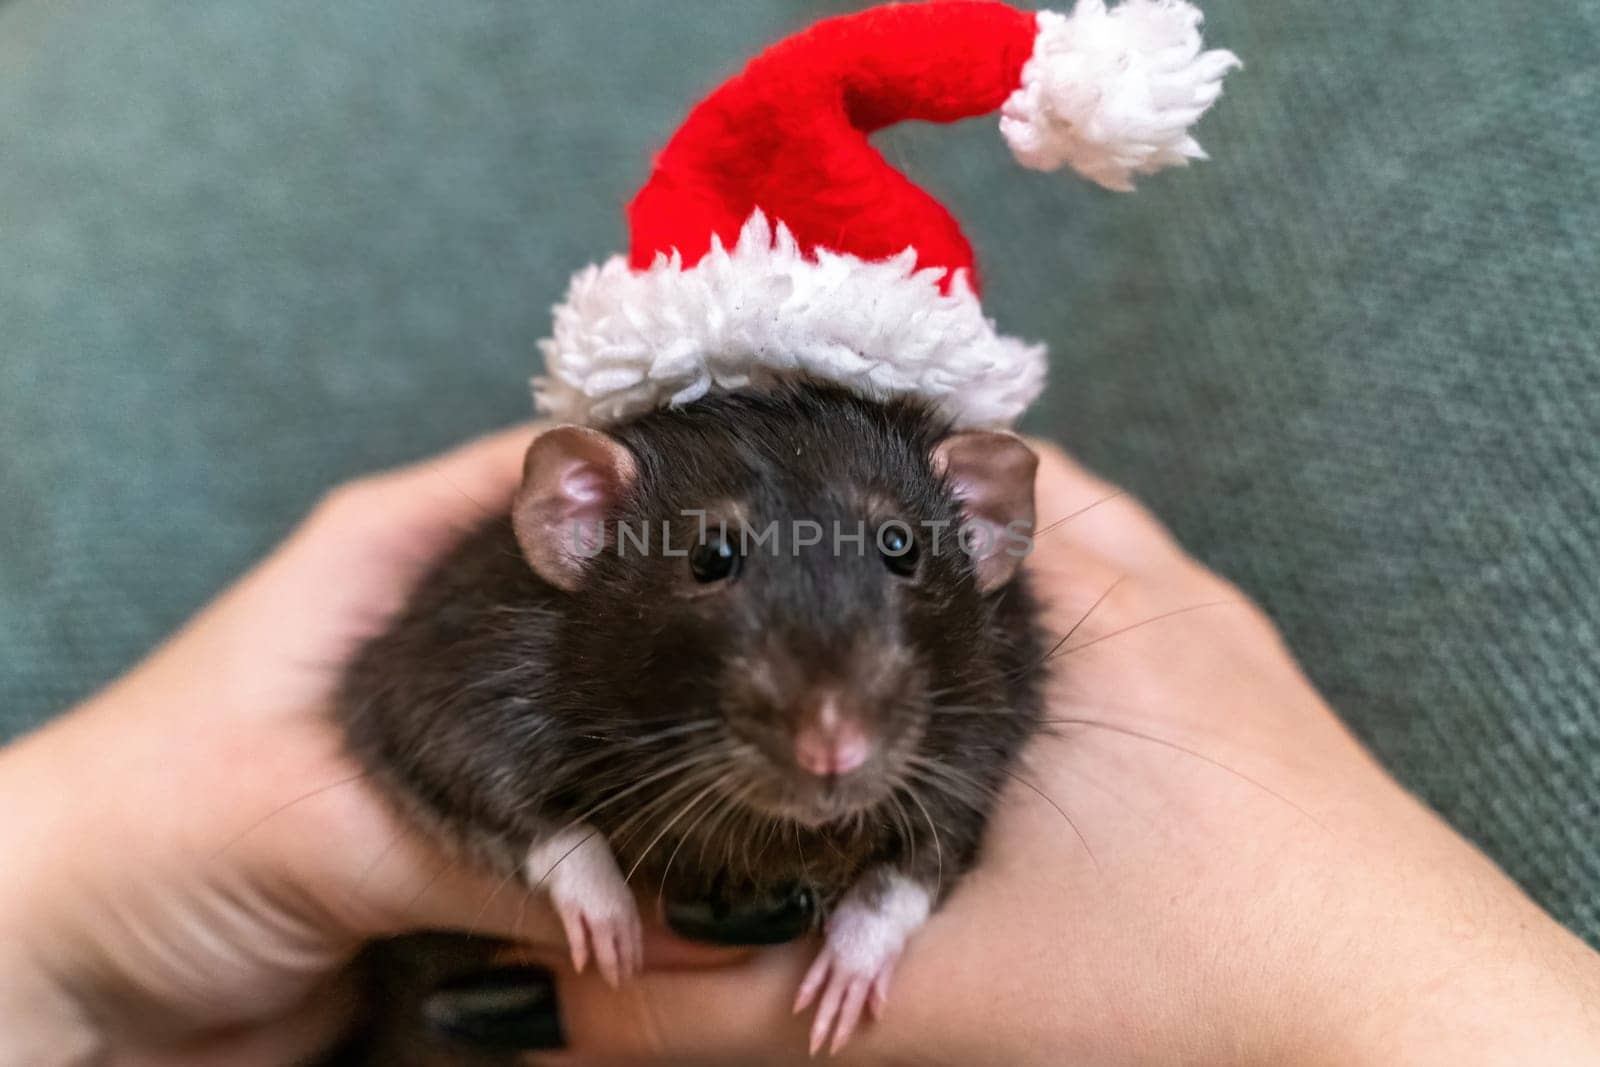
190,860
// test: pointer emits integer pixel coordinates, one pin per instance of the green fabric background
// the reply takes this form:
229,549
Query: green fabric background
248,249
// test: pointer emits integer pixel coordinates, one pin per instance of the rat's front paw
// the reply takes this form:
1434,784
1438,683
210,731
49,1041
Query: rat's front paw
866,934
846,982
597,909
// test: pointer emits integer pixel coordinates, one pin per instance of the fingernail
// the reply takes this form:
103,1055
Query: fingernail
506,1008
769,920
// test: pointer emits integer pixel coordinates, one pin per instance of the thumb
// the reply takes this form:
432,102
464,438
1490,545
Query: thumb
695,1004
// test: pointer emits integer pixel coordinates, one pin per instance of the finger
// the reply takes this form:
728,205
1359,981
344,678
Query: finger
430,503
733,1014
656,949
423,886
298,1036
371,539
514,1005
449,893
484,472
496,1012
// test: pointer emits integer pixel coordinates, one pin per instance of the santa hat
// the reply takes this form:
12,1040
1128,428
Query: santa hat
773,240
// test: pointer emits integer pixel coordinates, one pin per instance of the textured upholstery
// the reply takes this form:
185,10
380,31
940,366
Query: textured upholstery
249,249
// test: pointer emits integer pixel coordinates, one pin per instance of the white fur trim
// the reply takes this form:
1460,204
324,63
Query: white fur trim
628,341
1113,93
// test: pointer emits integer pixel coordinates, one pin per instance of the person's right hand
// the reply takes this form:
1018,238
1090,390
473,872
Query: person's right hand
1239,881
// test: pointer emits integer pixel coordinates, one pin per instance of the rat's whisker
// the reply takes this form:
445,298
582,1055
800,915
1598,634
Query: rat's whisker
366,875
731,814
657,773
545,877
641,818
1029,668
665,734
973,709
1101,599
1153,619
684,810
681,777
773,827
573,823
725,811
901,818
1059,649
1048,799
1114,494
1128,731
606,751
472,929
799,847
742,814
972,792
672,733
522,914
688,832
281,808
1163,828
416,898
937,844
488,512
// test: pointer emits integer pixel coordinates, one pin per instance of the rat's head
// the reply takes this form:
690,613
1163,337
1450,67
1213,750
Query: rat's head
795,582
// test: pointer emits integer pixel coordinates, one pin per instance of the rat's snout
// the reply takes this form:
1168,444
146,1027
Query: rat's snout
825,725
830,740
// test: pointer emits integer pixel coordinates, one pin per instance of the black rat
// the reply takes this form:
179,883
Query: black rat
725,649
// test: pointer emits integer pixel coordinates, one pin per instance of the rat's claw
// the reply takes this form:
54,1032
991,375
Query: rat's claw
855,996
879,997
812,984
596,908
844,988
577,938
607,960
633,945
630,946
823,1023
866,934
605,929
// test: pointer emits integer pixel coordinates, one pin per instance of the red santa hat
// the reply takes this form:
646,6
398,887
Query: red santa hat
772,239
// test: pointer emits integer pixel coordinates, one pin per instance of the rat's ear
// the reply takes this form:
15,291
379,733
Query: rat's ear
991,475
571,479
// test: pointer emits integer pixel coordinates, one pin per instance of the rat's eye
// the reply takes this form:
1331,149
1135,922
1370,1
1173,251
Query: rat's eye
899,549
715,559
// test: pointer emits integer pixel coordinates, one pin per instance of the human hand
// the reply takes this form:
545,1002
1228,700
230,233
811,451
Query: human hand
1261,891
1198,864
190,859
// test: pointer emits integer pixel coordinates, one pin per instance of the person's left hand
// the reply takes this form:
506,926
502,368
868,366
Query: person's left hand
190,858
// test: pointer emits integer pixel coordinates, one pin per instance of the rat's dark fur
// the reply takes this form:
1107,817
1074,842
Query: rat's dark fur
497,707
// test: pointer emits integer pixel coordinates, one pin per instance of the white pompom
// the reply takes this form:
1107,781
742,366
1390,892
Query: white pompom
1113,93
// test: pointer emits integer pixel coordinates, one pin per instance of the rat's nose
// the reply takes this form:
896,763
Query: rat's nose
830,742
